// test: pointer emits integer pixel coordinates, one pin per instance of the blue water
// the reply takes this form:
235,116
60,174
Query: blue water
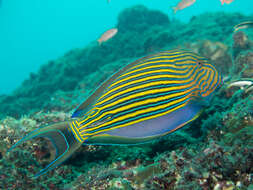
33,32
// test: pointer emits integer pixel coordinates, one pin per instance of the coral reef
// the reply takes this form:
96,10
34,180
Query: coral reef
213,152
139,18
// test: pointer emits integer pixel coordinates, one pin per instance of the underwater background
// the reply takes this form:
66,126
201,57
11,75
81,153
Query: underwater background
51,61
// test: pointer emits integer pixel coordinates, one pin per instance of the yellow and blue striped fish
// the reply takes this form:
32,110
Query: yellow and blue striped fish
146,99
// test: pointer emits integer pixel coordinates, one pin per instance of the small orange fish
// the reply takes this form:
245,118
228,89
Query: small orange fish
183,4
107,35
226,1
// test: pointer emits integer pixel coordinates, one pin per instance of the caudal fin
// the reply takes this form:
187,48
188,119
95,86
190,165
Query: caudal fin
62,139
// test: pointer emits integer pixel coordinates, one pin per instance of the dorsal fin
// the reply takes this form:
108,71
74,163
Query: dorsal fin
84,106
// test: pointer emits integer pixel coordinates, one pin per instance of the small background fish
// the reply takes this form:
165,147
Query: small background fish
243,25
183,4
226,1
107,35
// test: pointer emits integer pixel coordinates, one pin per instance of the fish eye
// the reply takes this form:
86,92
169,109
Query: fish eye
199,63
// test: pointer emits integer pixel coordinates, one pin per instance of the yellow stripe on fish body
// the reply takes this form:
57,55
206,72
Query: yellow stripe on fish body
153,87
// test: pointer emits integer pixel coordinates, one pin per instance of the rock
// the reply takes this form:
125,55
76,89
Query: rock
139,18
241,43
244,65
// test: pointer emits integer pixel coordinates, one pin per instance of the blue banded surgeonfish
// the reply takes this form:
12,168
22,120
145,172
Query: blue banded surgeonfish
145,100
